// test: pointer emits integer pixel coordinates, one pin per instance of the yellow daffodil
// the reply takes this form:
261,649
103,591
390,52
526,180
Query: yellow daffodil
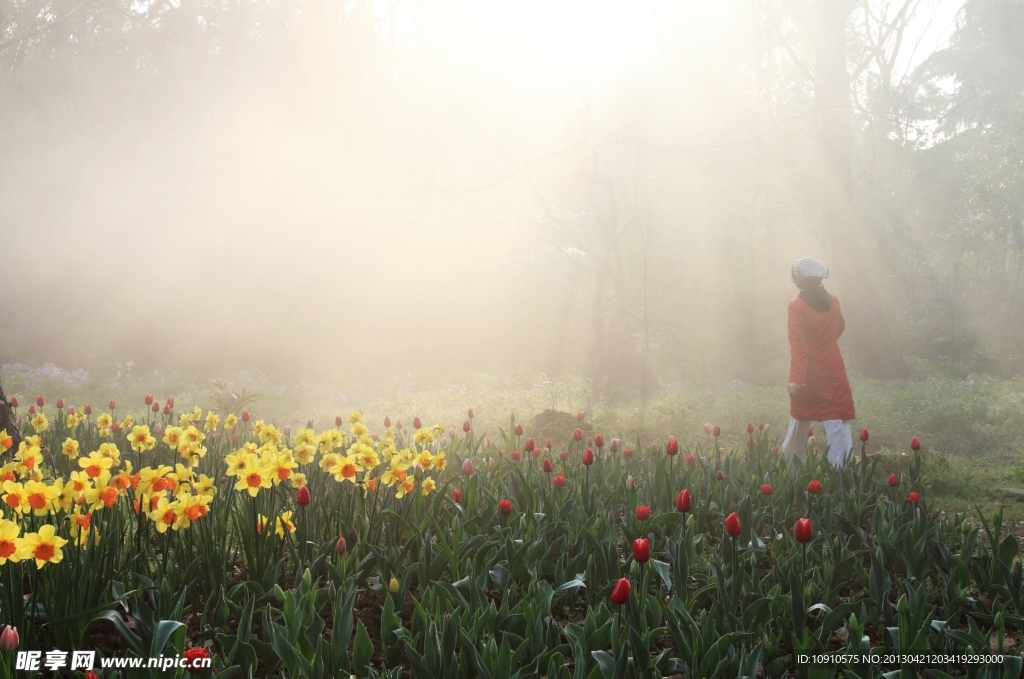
189,508
9,531
284,523
95,464
43,546
212,422
345,470
39,422
15,497
173,436
164,516
230,421
253,477
298,480
428,486
141,440
104,421
41,497
392,476
304,437
110,451
6,441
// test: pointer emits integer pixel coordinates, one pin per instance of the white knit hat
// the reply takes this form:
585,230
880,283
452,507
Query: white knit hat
809,268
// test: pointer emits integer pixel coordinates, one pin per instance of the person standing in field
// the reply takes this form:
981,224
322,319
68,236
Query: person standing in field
819,390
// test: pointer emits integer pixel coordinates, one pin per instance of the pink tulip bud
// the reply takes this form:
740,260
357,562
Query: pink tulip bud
564,455
71,410
469,414
466,426
708,427
111,404
716,431
810,441
60,404
810,432
579,416
387,422
467,467
767,428
149,399
246,416
416,424
170,402
338,420
398,425
9,639
629,483
599,441
613,445
158,429
287,429
341,547
87,409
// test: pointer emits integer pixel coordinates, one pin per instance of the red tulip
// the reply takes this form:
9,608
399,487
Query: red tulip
519,430
530,445
893,480
732,525
111,404
641,550
803,530
564,455
580,416
750,427
643,512
558,480
719,475
416,424
302,497
672,447
31,410
548,444
246,416
599,441
87,409
864,434
814,487
914,496
70,410
915,444
627,453
516,455
60,404
14,401
620,593
766,489
466,426
149,399
683,501
588,457
717,431
760,426
40,402
577,435
170,402
457,496
775,451
547,466
690,460
116,428
469,413
810,432
195,658
398,425
341,547
387,421
505,506
167,409
155,407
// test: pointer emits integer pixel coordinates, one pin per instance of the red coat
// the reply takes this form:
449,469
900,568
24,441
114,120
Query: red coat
817,363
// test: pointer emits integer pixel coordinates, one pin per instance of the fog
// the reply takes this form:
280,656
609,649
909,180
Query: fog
615,189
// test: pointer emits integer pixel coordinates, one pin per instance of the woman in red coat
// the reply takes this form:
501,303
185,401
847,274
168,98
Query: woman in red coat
818,388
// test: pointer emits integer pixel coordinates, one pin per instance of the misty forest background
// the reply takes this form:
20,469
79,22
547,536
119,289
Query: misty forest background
438,204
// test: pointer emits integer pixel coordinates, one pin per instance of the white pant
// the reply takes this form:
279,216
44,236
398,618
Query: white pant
837,433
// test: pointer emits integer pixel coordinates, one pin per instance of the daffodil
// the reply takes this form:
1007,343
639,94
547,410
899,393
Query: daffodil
303,437
102,495
15,497
80,526
189,508
298,480
345,470
110,451
164,516
253,477
205,486
230,421
126,423
406,487
284,523
6,441
423,436
428,486
9,531
95,464
392,476
29,458
104,421
270,434
141,440
43,546
173,436
304,453
212,422
39,422
41,497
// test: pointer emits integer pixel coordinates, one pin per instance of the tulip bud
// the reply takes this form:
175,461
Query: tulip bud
641,550
814,487
14,401
766,489
149,399
457,496
387,422
672,447
643,512
590,441
519,430
864,434
547,466
613,445
170,402
588,457
767,428
915,445
564,455
302,497
111,404
558,480
505,506
466,426
515,455
914,496
760,426
40,402
732,525
719,475
246,416
627,453
167,409
803,530
599,441
577,435
690,460
683,501
155,407
467,467
234,440
810,432
60,404
717,431
530,445
708,427
810,441
398,425
87,409
393,585
70,410
31,410
469,414
9,639
579,416
893,480
416,424
444,441
775,451
158,429
750,427
620,593
629,483
451,432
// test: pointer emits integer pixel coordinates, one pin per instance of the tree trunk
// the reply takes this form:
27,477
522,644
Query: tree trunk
875,353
